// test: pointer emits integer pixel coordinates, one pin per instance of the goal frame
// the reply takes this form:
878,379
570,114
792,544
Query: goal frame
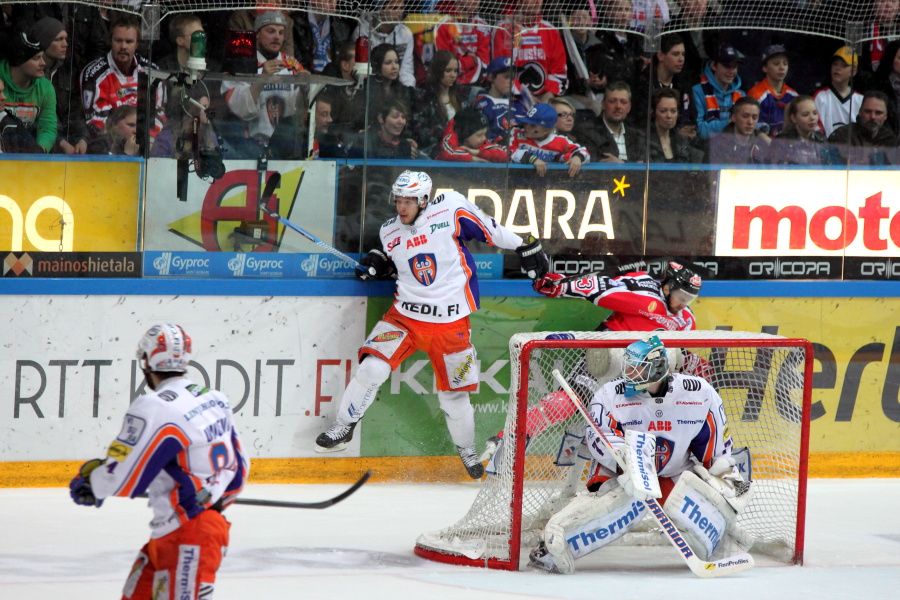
521,400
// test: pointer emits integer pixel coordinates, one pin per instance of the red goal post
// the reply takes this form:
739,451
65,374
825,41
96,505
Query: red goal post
764,380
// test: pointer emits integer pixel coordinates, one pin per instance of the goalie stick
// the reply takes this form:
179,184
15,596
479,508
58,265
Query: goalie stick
273,182
700,568
323,504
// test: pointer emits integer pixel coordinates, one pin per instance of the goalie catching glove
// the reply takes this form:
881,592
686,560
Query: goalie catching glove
377,266
80,487
534,260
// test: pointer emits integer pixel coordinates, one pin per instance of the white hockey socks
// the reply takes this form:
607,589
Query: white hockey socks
362,389
590,522
460,416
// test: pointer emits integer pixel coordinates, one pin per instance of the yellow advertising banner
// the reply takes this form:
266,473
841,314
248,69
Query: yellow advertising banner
54,206
856,381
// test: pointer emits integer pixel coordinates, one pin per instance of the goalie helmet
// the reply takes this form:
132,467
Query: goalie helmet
645,363
412,184
166,348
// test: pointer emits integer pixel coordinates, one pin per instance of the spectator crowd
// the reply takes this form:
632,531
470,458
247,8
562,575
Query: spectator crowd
535,83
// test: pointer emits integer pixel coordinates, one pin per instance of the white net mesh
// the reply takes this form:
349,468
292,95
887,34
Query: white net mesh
760,379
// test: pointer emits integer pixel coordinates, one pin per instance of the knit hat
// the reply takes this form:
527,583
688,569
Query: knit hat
45,31
468,121
269,17
22,49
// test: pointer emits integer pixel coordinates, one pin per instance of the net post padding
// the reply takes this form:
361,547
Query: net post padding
764,380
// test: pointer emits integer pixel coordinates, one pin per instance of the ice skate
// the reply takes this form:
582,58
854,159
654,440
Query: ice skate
471,461
336,438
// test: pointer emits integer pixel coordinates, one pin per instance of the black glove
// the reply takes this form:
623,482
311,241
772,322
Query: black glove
535,262
80,487
377,265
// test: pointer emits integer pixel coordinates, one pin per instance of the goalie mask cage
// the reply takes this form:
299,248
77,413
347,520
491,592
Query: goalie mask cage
764,380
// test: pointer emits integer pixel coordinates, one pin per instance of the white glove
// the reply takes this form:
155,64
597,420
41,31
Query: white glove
725,471
638,493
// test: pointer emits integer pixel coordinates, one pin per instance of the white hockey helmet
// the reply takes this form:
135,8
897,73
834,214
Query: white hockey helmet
645,363
165,348
412,184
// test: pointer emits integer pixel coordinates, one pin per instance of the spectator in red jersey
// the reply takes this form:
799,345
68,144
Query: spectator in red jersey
884,28
112,80
537,144
466,140
536,49
467,37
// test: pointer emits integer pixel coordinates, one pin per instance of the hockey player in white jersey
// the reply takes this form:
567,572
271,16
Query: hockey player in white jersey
682,452
178,444
424,247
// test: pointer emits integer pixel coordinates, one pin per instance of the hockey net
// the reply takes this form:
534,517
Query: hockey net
764,381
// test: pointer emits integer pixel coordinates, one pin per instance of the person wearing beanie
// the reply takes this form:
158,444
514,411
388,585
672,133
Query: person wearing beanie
29,96
263,107
465,140
72,134
536,143
245,20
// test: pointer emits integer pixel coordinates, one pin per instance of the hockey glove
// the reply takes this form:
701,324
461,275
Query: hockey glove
548,285
80,487
378,261
534,260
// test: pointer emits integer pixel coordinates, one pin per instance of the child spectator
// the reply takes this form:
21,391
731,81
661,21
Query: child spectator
438,102
717,92
467,37
29,96
800,142
536,49
387,29
740,143
570,123
838,104
465,140
772,92
536,143
501,112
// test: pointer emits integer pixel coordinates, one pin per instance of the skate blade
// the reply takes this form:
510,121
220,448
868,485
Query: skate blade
335,448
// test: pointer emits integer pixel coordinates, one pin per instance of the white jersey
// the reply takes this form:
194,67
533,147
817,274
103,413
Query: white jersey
689,419
179,445
436,279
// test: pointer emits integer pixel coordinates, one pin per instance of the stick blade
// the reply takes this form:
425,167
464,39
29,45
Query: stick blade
717,568
272,184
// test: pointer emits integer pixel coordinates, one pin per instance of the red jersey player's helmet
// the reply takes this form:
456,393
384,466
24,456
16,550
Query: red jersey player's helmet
166,348
679,277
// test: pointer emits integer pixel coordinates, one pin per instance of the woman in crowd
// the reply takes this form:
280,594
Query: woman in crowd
438,102
800,142
569,125
384,84
119,134
666,144
387,136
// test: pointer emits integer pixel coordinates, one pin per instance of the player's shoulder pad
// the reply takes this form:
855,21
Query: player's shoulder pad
390,222
690,383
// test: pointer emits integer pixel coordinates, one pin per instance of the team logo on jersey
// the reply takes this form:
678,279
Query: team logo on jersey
585,285
652,306
664,450
393,244
533,76
388,336
118,451
424,268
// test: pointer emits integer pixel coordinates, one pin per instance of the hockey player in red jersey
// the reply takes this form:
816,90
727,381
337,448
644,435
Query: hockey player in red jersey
437,290
178,444
639,303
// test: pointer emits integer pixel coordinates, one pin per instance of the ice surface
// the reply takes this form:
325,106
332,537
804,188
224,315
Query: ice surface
363,548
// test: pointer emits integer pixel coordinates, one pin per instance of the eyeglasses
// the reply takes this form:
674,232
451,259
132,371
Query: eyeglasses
565,115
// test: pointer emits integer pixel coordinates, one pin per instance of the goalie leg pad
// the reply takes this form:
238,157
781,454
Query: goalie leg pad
460,417
701,514
590,522
363,388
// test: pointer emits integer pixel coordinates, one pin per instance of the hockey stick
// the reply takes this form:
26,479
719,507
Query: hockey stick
323,504
700,568
273,182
